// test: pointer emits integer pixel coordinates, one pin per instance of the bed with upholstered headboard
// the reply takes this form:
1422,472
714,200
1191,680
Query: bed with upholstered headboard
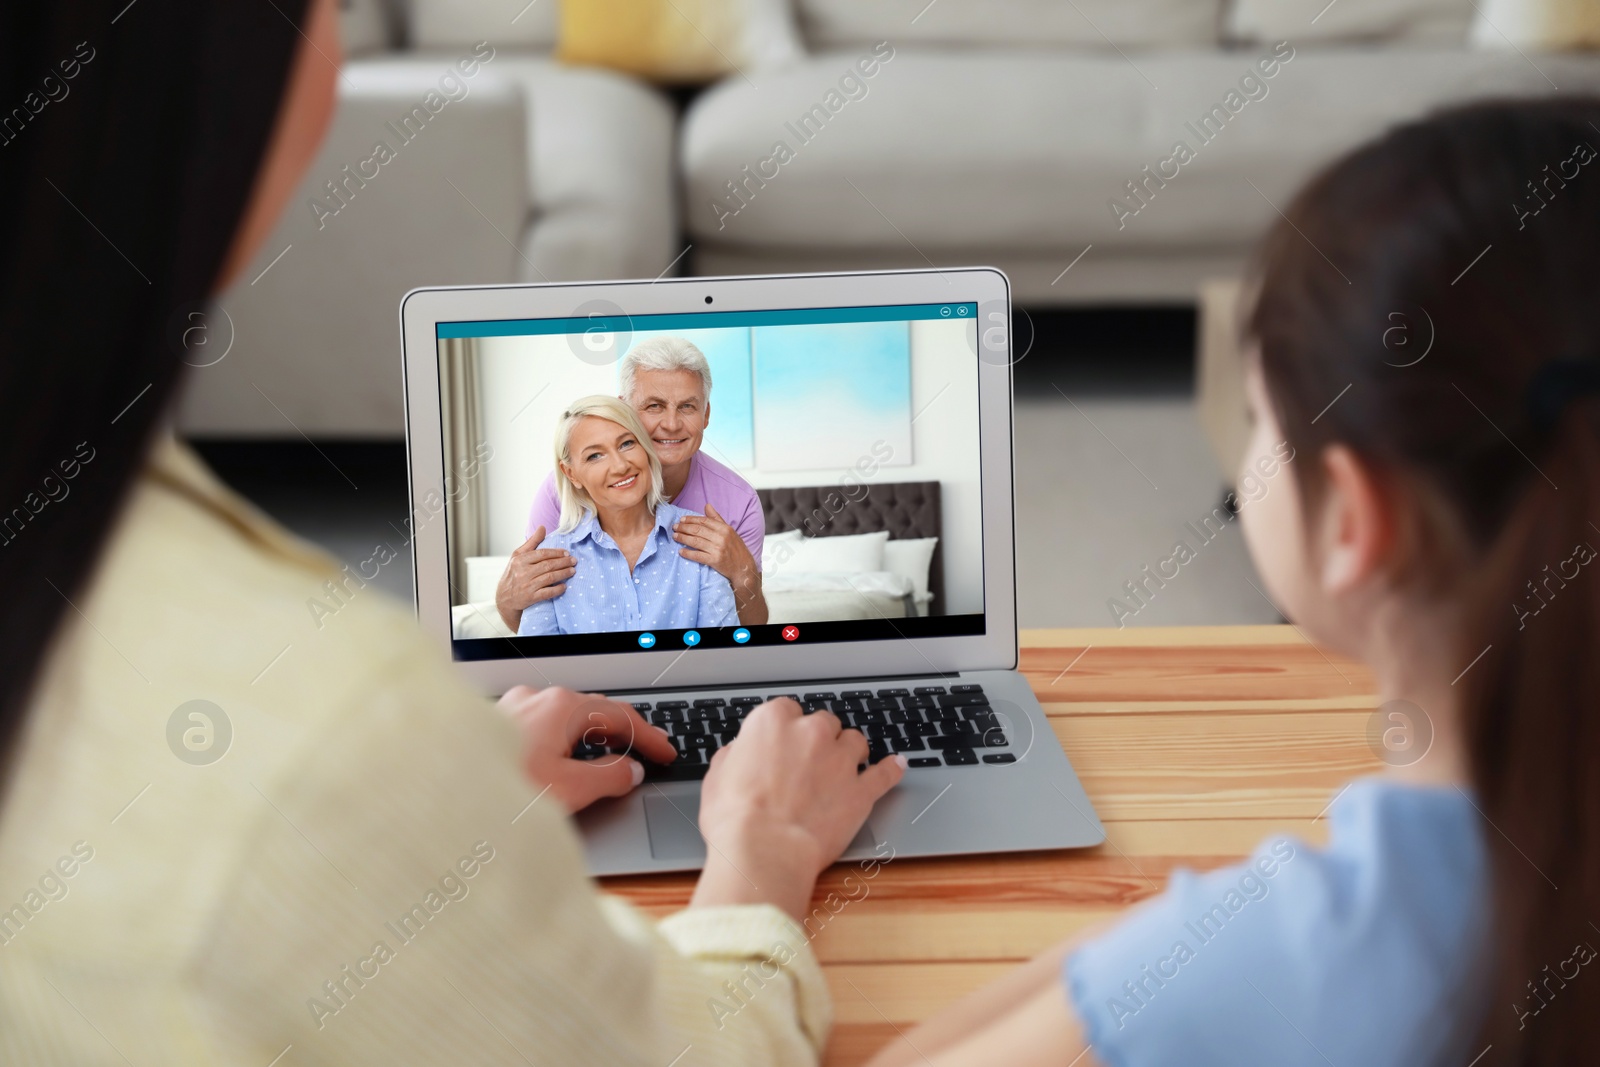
908,511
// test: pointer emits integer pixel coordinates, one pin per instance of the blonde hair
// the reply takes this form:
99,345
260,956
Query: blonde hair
664,353
575,501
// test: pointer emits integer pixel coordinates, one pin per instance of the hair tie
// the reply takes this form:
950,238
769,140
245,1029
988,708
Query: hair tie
1555,385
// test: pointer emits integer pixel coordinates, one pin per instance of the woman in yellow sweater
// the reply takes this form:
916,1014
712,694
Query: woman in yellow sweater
229,835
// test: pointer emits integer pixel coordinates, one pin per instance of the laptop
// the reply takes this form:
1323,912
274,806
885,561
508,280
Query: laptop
861,423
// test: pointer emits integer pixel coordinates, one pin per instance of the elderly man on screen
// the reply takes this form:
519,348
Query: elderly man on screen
667,381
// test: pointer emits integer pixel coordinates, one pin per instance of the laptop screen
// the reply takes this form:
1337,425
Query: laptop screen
658,483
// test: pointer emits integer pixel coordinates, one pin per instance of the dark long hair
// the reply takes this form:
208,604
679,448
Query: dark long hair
1477,232
130,137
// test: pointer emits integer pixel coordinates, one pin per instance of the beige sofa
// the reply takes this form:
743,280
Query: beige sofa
535,171
1006,132
1034,135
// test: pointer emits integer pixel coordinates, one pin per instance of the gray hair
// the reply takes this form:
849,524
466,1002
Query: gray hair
664,353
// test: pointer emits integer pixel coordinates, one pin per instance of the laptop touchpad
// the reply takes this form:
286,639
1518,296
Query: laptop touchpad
674,827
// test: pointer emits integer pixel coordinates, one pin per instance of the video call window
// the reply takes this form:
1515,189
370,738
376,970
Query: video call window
838,446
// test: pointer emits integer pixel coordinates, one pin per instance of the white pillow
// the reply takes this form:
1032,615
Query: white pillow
463,23
1097,24
846,553
911,557
772,544
469,621
1410,21
771,35
483,577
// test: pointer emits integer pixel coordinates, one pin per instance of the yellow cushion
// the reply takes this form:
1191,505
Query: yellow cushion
671,41
1542,24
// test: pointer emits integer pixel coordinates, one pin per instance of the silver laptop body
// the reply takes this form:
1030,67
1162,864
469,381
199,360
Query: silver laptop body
484,366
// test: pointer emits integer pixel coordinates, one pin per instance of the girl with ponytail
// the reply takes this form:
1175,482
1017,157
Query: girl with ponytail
1425,336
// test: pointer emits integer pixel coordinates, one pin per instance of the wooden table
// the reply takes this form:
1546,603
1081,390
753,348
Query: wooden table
1194,744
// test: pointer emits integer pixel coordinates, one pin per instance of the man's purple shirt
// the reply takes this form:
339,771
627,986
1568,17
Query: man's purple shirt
709,482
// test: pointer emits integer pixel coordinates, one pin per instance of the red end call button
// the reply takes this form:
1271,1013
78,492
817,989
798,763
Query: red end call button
791,633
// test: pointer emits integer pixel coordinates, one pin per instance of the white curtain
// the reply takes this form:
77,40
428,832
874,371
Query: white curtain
467,511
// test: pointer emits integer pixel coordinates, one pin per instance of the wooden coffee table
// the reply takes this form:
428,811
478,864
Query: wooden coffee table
1194,744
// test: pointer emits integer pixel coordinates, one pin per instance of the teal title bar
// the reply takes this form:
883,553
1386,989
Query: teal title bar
705,320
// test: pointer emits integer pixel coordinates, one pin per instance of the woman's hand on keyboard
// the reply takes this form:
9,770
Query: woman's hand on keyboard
781,802
554,721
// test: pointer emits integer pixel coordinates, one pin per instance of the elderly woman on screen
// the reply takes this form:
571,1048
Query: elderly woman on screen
616,522
667,382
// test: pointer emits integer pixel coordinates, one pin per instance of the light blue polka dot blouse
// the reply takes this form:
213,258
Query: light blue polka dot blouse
664,591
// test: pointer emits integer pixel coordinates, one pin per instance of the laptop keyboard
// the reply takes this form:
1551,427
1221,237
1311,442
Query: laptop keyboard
931,726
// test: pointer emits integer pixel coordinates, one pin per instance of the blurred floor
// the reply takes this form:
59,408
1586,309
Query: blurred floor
1111,464
1104,489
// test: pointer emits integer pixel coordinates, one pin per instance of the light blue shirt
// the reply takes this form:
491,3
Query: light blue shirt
664,591
1360,953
